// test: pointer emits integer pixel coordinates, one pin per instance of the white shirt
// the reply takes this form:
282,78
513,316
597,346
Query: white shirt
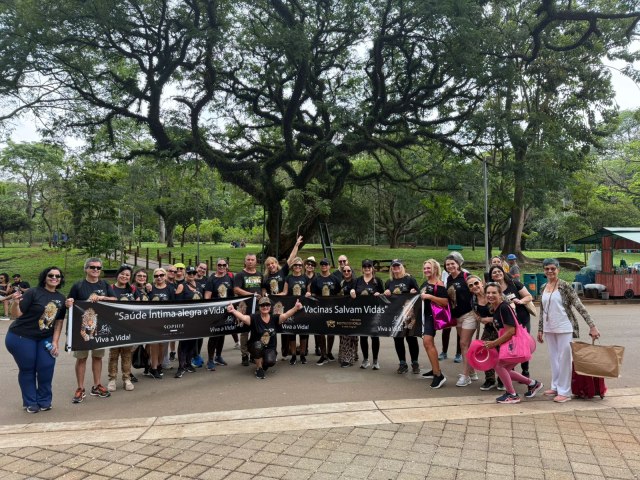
555,318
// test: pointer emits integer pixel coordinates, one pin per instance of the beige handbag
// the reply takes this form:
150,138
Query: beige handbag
597,360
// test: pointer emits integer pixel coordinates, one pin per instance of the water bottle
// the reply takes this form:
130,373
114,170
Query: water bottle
49,346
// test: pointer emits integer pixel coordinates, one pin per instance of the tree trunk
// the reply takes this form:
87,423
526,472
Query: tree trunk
513,237
161,229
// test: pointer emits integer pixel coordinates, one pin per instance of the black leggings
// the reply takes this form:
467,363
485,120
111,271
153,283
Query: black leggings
214,346
186,351
375,347
414,349
446,334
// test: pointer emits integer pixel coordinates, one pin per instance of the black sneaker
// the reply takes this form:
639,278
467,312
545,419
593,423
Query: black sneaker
179,373
293,360
190,369
245,360
172,356
508,398
345,364
46,409
322,361
146,372
330,357
30,409
303,360
415,368
153,373
533,389
438,380
402,368
488,385
260,374
133,379
318,353
427,375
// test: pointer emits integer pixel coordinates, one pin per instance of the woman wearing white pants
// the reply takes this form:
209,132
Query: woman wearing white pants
558,325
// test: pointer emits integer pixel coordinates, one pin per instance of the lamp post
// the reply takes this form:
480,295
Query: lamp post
487,253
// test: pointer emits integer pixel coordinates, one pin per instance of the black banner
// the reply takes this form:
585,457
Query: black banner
111,324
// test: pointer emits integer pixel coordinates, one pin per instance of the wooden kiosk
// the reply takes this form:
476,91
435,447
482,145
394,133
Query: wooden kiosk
620,282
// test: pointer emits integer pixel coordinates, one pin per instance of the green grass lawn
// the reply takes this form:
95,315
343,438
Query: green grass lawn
30,261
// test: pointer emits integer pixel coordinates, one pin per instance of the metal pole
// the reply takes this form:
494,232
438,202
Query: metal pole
487,253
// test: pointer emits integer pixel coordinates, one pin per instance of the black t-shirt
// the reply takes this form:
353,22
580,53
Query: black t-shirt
325,286
126,294
401,285
82,290
347,285
504,315
141,293
338,274
435,290
202,283
165,294
192,292
369,288
21,285
40,309
264,331
251,282
297,285
459,295
273,283
220,287
512,292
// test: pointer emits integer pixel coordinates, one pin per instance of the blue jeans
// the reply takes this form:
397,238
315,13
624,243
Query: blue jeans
35,366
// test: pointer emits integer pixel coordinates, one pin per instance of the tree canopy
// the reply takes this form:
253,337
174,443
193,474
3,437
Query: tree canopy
280,96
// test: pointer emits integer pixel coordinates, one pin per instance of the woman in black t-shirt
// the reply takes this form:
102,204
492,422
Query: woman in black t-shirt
432,291
348,349
402,283
161,291
124,292
296,284
262,341
517,294
369,284
504,318
33,338
480,306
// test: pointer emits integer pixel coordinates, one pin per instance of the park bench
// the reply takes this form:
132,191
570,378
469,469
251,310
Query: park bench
455,247
408,244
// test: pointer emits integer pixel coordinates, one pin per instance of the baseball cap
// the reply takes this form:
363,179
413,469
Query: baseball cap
396,262
325,261
179,265
367,263
191,269
264,300
511,256
15,275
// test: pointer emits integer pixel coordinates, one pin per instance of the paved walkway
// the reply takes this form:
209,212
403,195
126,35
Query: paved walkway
439,438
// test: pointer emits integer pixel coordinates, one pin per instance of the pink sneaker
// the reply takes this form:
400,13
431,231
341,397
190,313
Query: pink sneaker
561,399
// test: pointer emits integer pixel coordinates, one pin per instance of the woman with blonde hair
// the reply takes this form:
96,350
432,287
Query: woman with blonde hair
402,283
161,291
432,291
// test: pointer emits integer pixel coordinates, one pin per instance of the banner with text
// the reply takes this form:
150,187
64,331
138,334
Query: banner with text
111,324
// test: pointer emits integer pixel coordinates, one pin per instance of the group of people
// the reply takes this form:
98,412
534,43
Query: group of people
496,301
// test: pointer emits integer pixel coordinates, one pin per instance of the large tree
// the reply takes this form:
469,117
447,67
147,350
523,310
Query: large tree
275,94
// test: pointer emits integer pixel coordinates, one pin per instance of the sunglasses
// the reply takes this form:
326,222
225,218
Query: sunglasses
158,275
297,265
268,305
222,264
94,267
52,275
342,261
141,275
191,273
347,271
172,271
550,269
474,284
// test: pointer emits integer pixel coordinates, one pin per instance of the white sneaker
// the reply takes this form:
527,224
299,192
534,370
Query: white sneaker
365,363
128,386
474,376
111,386
463,381
237,346
376,366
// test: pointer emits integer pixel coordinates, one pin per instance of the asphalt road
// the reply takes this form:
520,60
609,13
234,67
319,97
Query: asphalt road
234,387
